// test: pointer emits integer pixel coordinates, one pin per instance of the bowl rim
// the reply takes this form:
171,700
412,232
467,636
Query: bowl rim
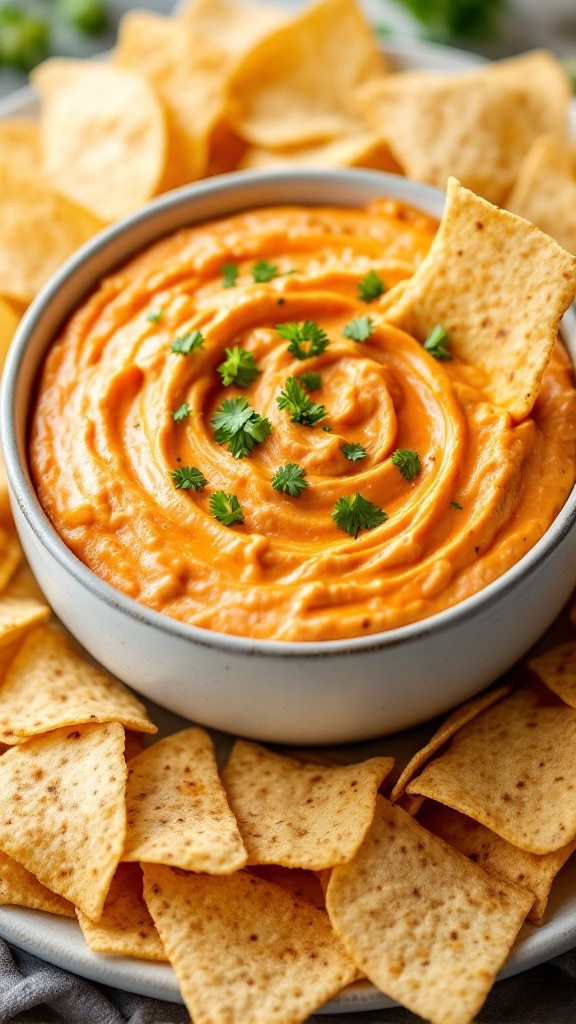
24,494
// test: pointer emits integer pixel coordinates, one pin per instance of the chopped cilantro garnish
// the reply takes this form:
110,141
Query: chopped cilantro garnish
296,401
226,508
311,381
290,480
437,343
238,368
371,287
354,451
188,343
359,329
181,412
408,462
229,273
155,316
327,429
353,513
263,271
188,478
238,426
456,506
301,335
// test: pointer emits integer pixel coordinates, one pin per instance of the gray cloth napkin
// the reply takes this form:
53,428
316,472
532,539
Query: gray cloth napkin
33,992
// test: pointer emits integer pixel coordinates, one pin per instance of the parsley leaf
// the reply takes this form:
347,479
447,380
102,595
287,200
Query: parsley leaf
188,478
238,426
359,329
182,412
311,381
155,316
437,343
353,513
290,480
371,287
238,368
299,336
188,343
229,273
226,508
408,463
263,271
456,506
296,401
354,451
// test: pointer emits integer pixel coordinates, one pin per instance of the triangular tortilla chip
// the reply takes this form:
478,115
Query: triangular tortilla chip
21,889
305,885
426,926
125,927
63,815
277,96
300,815
177,812
243,949
495,855
363,149
48,686
499,286
545,191
19,611
460,717
557,670
513,769
234,26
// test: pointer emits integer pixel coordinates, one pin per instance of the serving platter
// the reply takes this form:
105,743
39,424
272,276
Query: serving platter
59,941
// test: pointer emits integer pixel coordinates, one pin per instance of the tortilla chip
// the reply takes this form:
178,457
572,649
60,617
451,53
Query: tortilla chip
305,885
9,321
243,949
557,670
235,27
479,258
39,229
63,815
325,811
545,191
513,768
364,149
21,889
188,73
19,613
476,126
495,855
279,96
177,809
48,686
103,135
226,150
20,145
410,804
427,926
460,717
125,927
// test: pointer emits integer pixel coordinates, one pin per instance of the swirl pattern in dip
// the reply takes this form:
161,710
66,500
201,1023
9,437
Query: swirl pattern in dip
104,442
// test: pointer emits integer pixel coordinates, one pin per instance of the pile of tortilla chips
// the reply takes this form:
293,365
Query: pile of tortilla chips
237,84
273,884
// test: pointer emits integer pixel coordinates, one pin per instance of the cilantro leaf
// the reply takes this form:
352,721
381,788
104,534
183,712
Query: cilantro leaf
437,343
359,329
226,508
354,451
229,273
238,368
188,343
296,401
353,513
181,412
155,316
238,426
300,336
456,506
327,429
188,478
311,381
263,271
408,462
371,287
289,479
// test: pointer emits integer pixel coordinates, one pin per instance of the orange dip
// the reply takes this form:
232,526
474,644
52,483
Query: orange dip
104,442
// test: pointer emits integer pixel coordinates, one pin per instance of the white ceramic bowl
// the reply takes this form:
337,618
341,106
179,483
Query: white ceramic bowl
328,692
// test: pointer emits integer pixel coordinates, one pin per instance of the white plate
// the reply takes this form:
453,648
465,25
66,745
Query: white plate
59,940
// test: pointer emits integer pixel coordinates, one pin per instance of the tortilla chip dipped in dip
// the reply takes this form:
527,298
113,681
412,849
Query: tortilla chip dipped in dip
314,423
